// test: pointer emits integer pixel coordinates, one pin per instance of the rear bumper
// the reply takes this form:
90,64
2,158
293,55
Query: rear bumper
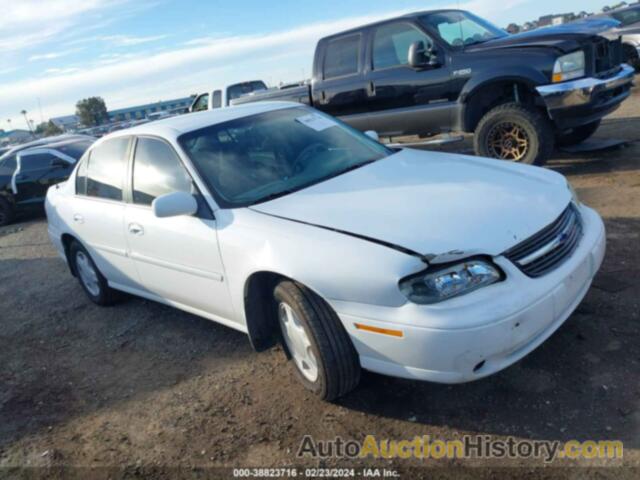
579,102
479,334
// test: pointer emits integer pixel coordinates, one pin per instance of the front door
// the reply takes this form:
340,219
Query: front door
37,170
398,94
177,258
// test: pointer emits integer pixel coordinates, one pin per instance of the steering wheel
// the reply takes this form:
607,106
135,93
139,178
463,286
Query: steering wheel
301,160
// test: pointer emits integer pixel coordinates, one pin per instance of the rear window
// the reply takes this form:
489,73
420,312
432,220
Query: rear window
341,57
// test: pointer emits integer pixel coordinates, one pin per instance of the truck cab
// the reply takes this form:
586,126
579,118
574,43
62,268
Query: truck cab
221,98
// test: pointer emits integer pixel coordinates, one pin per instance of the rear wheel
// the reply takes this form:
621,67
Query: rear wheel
92,281
6,212
515,132
321,351
578,134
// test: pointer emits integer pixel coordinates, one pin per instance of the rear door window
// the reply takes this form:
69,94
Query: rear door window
106,169
34,162
341,56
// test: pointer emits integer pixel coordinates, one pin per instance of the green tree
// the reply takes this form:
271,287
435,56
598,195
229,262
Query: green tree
48,128
92,111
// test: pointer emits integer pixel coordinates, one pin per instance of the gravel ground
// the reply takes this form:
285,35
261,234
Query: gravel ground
143,389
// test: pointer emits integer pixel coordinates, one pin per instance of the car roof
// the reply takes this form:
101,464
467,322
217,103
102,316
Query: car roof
46,141
173,127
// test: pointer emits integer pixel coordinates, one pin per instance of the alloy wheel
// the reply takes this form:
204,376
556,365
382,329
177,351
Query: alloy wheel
508,141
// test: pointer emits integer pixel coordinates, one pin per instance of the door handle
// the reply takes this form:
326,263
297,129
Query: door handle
78,218
372,89
323,96
136,229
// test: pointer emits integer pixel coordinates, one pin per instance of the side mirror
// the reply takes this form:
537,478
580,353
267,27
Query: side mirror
174,204
421,56
373,135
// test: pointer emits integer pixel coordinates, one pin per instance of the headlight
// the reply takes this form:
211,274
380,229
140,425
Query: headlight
434,286
569,67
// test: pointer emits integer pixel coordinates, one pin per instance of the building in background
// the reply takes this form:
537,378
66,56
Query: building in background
71,123
141,112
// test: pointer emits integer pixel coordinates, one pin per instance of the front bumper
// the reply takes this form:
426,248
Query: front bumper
579,102
478,334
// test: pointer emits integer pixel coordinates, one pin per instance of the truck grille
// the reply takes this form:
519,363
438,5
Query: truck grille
606,55
550,247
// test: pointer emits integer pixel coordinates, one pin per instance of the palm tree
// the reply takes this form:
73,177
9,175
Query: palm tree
24,114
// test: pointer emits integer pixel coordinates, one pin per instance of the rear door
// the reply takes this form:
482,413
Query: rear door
342,90
98,210
399,94
177,258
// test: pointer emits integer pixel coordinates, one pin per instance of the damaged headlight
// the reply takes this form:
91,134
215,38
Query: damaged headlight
569,67
434,286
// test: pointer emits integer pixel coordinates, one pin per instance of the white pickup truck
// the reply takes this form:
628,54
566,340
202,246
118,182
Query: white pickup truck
221,98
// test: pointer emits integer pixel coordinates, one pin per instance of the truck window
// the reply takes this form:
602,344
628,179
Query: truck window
341,56
216,100
391,44
201,103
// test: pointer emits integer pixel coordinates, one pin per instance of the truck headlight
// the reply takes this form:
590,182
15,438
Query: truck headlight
433,286
569,67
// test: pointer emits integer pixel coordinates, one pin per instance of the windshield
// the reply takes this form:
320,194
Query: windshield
627,17
461,28
264,156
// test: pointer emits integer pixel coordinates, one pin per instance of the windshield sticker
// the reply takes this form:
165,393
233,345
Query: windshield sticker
317,122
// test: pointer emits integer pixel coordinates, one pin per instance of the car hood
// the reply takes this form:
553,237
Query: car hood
432,203
566,38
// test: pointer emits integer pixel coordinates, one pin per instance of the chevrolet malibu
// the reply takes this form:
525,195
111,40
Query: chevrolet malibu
282,222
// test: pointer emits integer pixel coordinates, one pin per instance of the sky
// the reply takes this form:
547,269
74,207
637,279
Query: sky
56,52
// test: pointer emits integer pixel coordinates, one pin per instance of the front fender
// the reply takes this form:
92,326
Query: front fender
334,265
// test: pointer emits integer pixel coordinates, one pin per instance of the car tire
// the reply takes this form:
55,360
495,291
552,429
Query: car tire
577,135
6,212
315,340
515,132
91,280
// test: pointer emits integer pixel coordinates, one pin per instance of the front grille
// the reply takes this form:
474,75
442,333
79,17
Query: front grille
606,55
550,247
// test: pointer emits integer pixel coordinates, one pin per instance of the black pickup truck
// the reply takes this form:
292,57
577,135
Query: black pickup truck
448,70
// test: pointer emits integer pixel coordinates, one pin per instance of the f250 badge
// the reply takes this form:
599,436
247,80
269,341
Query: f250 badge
465,72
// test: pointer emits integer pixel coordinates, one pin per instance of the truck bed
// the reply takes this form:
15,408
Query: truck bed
298,94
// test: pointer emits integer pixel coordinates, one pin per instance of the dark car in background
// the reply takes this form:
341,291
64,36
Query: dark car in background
28,170
448,70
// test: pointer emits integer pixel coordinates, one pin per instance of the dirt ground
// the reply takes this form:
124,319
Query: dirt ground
141,389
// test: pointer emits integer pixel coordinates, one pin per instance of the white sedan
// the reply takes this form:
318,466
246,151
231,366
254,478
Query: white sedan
284,223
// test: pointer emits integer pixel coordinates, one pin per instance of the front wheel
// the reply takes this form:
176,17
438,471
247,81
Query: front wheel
578,134
320,349
515,132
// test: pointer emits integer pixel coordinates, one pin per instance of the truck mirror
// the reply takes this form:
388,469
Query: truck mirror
421,56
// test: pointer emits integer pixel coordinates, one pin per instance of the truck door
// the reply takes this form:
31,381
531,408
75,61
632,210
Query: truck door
340,89
399,95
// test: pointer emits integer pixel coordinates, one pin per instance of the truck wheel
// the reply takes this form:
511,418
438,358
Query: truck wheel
6,212
515,132
324,358
92,281
578,134
630,54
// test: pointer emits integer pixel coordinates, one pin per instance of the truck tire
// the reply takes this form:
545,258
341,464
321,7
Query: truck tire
515,132
631,56
577,135
6,212
92,281
314,338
